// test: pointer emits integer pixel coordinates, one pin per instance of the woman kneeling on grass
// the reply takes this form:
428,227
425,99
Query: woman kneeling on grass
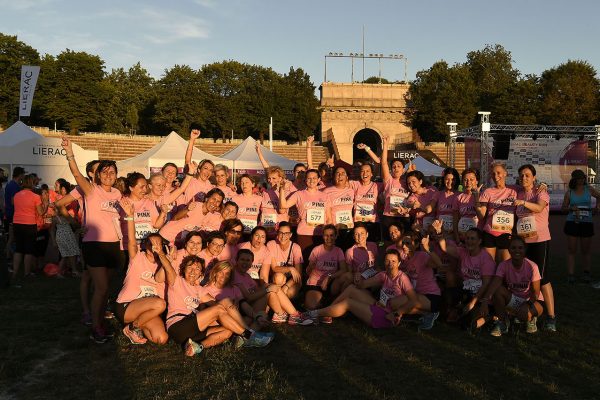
515,289
396,297
196,320
141,300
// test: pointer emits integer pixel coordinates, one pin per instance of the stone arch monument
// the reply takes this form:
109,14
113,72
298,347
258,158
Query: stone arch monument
352,113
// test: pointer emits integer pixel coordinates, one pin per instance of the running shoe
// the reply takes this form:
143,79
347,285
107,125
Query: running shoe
532,325
98,336
550,324
279,318
300,319
133,335
428,321
326,320
258,339
500,328
192,348
86,319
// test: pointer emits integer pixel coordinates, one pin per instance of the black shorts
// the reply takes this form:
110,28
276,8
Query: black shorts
186,328
499,242
120,312
103,254
435,300
387,220
25,236
41,242
579,229
538,253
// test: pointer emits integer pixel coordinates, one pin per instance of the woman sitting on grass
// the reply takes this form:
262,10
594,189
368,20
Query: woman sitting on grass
141,300
196,320
515,289
396,297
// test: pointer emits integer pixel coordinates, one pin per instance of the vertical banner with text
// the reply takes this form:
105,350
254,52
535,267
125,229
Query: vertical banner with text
29,77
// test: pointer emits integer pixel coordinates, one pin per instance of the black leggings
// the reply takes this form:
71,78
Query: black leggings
538,253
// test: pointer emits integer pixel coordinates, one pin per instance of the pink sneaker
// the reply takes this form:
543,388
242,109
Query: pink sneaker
133,335
279,318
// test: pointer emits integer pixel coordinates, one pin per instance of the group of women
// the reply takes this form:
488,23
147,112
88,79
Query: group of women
207,260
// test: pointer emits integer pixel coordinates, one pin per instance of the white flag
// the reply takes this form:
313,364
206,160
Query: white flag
29,77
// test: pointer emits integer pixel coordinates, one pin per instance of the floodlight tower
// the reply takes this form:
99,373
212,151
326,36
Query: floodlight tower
452,135
485,132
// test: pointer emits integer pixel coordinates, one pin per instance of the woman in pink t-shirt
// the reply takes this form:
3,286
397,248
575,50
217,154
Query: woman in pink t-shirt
367,201
445,199
287,261
141,300
211,254
532,225
270,214
397,297
515,289
28,208
360,258
477,268
233,229
221,173
422,201
101,242
192,246
248,203
341,199
263,261
465,215
314,210
164,196
496,208
326,265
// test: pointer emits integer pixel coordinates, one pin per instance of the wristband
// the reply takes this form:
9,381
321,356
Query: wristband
128,218
367,148
188,174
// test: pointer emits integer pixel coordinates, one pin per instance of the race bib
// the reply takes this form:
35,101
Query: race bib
447,222
515,302
315,216
147,291
367,273
466,223
268,220
249,224
503,221
383,297
526,227
397,201
472,285
143,229
254,272
427,221
364,212
344,217
583,213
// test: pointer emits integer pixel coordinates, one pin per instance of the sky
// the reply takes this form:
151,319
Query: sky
281,34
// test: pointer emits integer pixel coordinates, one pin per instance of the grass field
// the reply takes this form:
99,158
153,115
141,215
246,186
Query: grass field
45,354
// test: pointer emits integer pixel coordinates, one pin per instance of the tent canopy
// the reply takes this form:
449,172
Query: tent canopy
426,167
21,146
171,148
244,157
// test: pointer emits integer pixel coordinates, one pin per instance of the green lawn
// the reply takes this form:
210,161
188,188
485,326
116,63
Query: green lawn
45,353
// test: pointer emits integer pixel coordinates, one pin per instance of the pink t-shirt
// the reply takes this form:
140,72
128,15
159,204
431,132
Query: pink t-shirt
366,198
244,280
360,259
25,203
270,217
78,196
539,230
342,204
249,208
421,276
196,190
424,199
325,263
102,216
464,203
144,217
393,287
228,292
229,253
183,299
500,215
209,259
139,281
262,257
283,257
395,195
229,194
518,280
196,220
474,268
445,208
312,208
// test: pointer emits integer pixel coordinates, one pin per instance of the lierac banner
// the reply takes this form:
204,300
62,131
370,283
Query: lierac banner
29,77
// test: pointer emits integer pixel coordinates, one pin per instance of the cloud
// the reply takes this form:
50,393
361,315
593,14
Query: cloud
168,27
20,5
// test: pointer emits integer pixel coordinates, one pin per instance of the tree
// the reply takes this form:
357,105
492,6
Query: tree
180,94
301,105
442,94
376,79
519,103
13,54
570,94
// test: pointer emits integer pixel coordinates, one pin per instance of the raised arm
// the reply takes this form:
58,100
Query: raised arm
165,273
373,156
194,134
446,247
385,168
262,158
284,203
83,183
309,159
132,245
171,197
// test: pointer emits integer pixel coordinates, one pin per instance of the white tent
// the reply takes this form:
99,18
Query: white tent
170,149
245,159
426,167
22,146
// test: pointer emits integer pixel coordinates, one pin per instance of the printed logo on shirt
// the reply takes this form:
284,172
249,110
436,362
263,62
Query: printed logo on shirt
311,204
191,302
248,210
344,200
109,205
518,286
142,215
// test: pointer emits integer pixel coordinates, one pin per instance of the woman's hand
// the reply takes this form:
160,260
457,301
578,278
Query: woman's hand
195,134
127,206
